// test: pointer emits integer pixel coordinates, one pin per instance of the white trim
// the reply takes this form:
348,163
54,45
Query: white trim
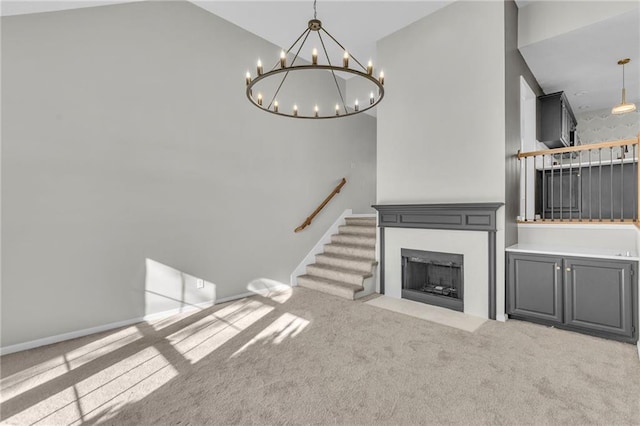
106,327
363,215
318,248
66,336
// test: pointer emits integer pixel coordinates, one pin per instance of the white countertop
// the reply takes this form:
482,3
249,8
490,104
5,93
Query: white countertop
595,252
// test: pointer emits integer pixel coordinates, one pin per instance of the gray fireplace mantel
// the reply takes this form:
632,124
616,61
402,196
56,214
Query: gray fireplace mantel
467,217
452,216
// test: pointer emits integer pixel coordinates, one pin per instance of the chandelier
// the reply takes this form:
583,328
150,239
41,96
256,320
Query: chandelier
264,89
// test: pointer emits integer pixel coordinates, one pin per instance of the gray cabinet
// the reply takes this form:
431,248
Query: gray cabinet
535,286
590,295
556,122
598,295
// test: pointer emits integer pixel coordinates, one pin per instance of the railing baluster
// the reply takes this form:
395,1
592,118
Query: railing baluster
635,184
526,188
579,194
553,216
611,182
570,176
590,193
544,189
600,185
622,149
561,182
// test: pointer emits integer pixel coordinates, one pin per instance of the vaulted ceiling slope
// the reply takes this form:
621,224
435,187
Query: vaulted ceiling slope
571,46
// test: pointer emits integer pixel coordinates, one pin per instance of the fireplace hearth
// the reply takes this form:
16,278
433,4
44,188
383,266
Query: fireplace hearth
435,278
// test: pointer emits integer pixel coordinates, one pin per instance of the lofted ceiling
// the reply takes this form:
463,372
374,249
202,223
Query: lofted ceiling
581,62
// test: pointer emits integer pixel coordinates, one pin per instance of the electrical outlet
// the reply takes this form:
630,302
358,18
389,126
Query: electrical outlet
199,283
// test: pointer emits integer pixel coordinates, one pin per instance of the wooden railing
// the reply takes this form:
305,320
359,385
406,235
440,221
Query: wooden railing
308,220
597,183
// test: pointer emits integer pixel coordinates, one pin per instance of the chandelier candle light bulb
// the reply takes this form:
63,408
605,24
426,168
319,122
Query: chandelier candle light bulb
345,59
337,109
371,99
356,107
381,77
248,78
259,67
283,59
316,110
314,56
370,67
259,98
295,110
275,106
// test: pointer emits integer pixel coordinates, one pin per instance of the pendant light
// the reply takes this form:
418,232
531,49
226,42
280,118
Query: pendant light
624,106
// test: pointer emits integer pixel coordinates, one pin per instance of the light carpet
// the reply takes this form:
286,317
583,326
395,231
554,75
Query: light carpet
304,357
426,312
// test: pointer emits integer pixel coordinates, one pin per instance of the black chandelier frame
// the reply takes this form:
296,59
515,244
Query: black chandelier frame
282,68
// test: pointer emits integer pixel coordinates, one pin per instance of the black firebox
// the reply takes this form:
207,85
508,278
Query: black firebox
433,277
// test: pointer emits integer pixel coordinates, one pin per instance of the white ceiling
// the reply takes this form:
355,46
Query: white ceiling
580,61
583,63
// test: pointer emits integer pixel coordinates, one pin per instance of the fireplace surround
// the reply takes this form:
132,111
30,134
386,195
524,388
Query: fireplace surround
435,221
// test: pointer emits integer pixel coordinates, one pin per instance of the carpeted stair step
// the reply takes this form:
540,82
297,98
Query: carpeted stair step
360,264
355,240
333,273
361,221
328,286
368,231
350,250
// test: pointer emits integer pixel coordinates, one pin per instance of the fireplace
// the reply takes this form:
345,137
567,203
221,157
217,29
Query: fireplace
432,277
469,229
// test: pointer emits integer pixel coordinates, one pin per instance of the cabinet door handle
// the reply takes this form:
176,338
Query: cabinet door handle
568,269
557,267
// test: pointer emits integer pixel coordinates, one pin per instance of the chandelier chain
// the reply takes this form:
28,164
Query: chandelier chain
315,12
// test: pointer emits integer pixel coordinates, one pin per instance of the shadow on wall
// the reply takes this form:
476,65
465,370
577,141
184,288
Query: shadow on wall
170,290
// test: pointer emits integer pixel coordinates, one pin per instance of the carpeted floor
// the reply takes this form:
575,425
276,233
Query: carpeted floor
302,357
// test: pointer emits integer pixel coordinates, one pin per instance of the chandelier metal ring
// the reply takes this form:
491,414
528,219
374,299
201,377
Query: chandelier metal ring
283,67
268,108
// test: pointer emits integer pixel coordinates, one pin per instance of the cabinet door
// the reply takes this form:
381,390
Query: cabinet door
598,295
535,287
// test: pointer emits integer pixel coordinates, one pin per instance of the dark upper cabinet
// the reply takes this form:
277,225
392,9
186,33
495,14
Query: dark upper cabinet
556,121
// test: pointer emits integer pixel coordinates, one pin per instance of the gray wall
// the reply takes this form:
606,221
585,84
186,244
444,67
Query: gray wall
127,136
515,66
441,126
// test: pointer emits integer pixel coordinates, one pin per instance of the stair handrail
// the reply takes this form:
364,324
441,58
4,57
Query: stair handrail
308,220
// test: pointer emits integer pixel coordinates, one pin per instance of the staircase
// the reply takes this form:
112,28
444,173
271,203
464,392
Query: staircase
346,266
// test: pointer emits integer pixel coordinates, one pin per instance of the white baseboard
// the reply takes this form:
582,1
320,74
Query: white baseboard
66,336
502,318
106,327
318,248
